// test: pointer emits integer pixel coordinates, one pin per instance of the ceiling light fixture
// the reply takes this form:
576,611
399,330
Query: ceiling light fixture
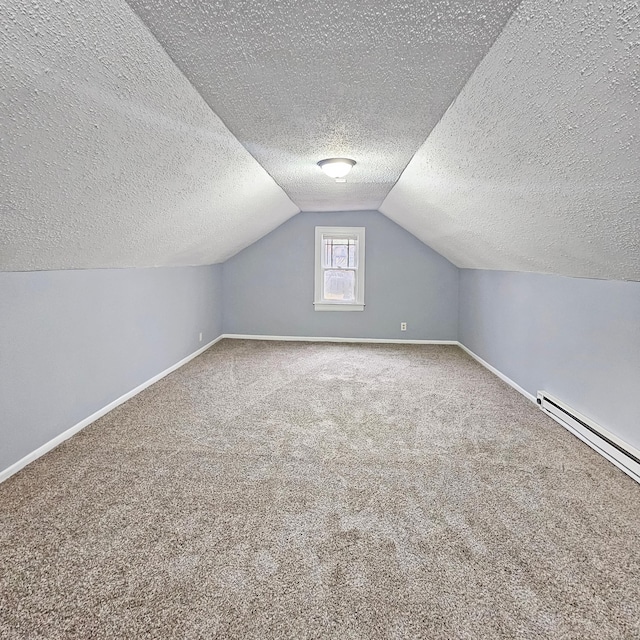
337,168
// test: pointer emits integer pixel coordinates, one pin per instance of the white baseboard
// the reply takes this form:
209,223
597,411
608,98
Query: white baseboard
239,336
484,363
500,375
607,444
40,451
65,435
609,453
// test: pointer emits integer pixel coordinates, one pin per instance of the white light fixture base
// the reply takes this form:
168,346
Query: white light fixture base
337,168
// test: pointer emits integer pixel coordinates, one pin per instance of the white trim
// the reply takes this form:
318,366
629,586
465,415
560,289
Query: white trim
240,336
601,447
319,303
45,448
337,306
500,375
65,435
624,463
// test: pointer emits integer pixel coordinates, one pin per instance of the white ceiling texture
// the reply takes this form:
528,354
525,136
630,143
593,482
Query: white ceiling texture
301,80
174,132
109,157
536,166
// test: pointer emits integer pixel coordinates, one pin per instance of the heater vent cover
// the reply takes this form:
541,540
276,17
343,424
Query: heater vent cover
623,455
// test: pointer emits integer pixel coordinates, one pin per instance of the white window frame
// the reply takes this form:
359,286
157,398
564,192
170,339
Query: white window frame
319,303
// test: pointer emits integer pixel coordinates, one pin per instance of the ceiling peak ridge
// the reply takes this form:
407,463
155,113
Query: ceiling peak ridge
455,98
197,91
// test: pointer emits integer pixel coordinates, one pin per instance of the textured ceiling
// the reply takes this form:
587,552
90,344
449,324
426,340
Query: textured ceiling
536,166
300,80
110,157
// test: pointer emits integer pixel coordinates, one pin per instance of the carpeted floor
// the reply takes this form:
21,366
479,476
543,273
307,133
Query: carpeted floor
296,490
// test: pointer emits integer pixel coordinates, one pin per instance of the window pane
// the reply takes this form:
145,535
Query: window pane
339,253
340,285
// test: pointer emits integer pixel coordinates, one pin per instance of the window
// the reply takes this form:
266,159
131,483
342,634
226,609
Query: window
339,284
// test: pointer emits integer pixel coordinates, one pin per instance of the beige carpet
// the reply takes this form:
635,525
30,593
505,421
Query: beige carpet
292,490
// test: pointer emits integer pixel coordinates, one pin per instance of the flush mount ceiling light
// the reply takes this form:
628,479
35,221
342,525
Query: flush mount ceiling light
337,168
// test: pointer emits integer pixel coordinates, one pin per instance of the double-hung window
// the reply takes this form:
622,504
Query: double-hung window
339,269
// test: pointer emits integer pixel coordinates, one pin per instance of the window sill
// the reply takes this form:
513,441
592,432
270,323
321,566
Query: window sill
324,306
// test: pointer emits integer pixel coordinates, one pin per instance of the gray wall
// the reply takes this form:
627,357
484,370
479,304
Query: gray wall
268,287
578,339
71,342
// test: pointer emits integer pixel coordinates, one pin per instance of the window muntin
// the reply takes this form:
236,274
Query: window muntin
339,269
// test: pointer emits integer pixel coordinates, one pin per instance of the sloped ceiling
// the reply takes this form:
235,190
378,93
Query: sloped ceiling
112,157
301,80
536,166
109,157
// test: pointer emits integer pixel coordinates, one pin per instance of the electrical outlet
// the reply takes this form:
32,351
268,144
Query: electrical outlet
403,326
200,336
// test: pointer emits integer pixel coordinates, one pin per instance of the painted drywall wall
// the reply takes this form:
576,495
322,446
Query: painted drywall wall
268,287
578,339
71,342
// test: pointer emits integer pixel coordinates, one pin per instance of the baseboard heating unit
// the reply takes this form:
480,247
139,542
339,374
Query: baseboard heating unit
623,455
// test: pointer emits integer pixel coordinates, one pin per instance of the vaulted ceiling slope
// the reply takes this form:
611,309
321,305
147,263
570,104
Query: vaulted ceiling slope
536,166
110,157
301,80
